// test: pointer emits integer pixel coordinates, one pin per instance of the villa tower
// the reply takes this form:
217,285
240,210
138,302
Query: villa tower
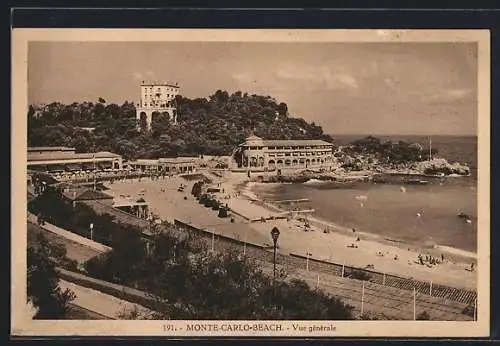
157,98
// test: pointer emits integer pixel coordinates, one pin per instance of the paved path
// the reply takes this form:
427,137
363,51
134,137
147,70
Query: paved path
74,250
101,303
70,235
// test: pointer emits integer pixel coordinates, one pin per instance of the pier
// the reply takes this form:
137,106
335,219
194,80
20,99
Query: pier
300,200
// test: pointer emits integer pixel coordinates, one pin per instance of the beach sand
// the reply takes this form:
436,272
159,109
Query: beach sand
166,202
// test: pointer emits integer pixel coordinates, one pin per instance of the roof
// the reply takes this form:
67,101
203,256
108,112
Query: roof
153,84
128,202
164,160
85,194
144,162
30,149
256,141
178,160
68,155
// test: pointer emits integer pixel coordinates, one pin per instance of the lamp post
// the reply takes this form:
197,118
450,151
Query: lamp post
275,233
91,226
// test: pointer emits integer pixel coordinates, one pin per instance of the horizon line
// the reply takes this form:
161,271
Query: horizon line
403,134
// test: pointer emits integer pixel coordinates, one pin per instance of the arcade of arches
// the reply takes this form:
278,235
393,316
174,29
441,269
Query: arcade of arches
268,155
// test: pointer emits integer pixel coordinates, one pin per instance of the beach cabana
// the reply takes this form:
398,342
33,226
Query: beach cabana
105,165
55,168
88,167
73,167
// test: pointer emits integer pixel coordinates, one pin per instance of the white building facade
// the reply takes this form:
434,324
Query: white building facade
175,165
157,98
257,154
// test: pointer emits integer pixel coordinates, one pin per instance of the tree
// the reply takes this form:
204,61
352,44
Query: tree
44,293
423,316
213,126
283,109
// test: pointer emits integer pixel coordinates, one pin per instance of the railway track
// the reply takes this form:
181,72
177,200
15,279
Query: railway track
294,262
392,302
459,295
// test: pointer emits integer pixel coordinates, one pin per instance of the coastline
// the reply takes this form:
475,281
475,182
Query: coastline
168,203
455,254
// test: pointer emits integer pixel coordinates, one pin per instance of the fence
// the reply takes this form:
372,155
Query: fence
123,292
291,262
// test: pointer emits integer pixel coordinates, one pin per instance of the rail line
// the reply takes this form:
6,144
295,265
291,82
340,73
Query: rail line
392,302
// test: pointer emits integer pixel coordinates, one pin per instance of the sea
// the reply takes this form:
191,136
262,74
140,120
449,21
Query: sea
421,215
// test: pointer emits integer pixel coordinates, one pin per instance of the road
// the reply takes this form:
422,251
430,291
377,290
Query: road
101,303
75,251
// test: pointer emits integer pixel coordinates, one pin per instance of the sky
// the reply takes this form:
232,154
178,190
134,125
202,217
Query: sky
347,88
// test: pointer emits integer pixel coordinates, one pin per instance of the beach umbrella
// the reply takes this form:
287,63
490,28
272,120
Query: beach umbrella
361,198
418,220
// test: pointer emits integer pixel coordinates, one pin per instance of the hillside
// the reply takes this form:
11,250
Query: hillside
211,126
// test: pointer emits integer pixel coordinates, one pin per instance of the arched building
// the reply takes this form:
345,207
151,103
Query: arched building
157,98
257,154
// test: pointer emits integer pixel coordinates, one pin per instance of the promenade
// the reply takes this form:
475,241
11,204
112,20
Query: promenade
338,247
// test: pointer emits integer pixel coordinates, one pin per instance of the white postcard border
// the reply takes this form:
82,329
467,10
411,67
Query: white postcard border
23,325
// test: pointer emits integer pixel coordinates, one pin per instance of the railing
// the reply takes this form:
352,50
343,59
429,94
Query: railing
294,261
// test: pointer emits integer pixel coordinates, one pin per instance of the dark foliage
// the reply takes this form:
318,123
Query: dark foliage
196,190
357,274
423,316
387,151
43,290
205,126
188,281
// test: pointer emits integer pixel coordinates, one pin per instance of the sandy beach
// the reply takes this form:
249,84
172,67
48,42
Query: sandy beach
168,203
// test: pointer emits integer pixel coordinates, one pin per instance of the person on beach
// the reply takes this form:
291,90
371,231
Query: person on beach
39,218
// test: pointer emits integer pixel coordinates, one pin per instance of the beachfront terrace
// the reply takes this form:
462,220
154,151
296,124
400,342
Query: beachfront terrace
166,165
64,159
259,154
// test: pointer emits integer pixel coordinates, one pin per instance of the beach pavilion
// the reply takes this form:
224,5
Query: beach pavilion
257,154
64,159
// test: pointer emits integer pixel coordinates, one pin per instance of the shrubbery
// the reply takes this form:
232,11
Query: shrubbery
190,282
50,301
213,125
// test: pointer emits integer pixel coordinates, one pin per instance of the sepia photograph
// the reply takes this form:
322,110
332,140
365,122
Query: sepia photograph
250,182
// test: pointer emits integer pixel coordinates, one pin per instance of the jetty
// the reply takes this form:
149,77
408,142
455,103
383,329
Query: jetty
300,200
301,211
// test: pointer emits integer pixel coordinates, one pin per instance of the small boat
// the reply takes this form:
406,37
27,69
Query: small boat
464,216
418,182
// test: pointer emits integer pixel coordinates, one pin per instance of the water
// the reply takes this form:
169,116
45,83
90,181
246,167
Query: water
388,211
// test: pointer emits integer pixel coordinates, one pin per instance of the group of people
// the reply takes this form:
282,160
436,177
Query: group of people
430,260
40,220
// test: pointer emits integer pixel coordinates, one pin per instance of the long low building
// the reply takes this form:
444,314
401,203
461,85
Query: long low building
167,165
257,154
64,159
